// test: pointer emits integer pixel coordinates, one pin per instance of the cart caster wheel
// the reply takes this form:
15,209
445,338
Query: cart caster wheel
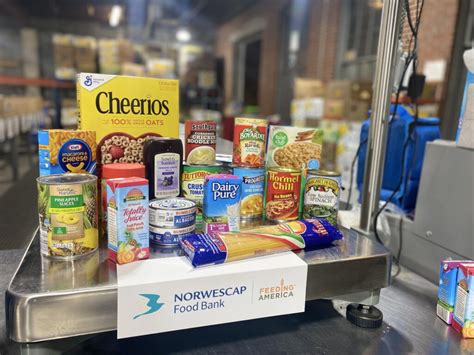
364,316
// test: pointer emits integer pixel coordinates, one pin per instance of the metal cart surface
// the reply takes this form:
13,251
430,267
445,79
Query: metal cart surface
49,299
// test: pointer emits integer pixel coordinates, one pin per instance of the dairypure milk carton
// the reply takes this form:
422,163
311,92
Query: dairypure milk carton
463,319
221,204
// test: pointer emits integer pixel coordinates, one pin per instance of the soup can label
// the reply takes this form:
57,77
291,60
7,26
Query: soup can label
67,207
253,185
250,135
282,194
200,142
321,195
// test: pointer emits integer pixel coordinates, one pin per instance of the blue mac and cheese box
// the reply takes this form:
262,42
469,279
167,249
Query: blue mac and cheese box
66,151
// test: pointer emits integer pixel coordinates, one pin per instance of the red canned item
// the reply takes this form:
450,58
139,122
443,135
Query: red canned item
283,194
249,142
200,142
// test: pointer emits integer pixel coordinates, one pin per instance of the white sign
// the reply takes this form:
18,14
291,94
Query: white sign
434,70
161,295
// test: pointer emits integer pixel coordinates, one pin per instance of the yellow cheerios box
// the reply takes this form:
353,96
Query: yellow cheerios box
124,110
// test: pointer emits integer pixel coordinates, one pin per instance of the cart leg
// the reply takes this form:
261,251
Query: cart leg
359,308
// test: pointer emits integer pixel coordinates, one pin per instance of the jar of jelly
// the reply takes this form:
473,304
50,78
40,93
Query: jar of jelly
163,158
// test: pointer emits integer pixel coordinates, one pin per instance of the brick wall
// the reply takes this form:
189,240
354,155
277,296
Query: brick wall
437,28
323,39
269,13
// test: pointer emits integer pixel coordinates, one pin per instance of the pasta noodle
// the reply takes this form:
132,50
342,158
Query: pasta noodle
223,247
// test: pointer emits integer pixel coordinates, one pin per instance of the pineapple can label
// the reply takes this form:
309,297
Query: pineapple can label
67,206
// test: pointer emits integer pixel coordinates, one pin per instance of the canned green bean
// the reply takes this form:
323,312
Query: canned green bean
321,195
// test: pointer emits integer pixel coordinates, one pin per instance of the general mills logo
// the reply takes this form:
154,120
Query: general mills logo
88,81
152,304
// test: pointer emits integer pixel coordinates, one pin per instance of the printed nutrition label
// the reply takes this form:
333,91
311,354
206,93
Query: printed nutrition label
112,226
44,240
460,307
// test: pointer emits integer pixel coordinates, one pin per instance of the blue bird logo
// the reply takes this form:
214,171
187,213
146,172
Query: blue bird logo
152,304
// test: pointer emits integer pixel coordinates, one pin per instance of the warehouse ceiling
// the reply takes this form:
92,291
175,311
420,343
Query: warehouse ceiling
168,12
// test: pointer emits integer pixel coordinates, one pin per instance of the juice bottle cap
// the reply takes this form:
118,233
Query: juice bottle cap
122,170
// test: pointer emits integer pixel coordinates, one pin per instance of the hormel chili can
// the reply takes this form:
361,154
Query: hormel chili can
282,194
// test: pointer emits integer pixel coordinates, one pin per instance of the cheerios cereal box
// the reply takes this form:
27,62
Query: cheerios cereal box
66,151
124,110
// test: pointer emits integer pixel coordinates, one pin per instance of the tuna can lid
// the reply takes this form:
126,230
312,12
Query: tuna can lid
172,203
70,179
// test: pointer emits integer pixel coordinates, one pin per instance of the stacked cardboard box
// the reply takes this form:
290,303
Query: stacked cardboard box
307,107
63,52
85,54
349,100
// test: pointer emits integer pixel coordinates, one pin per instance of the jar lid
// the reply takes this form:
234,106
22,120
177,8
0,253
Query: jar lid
122,170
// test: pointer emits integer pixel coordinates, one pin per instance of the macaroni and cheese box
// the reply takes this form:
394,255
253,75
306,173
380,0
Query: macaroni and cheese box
66,151
463,320
124,111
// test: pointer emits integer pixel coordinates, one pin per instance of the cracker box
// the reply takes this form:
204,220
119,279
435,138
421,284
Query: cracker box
448,274
294,147
124,110
66,151
463,319
127,219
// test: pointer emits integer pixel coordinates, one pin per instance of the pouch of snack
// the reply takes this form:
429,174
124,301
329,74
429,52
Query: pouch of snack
224,247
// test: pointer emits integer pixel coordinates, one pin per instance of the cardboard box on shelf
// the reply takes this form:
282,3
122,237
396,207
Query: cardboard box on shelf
334,109
308,88
361,91
339,89
357,111
85,53
63,53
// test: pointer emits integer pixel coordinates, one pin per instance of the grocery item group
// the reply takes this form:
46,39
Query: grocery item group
125,177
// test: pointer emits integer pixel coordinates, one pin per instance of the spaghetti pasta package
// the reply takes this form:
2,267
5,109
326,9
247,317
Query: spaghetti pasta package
224,247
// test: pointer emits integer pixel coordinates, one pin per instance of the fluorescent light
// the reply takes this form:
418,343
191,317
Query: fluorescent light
183,35
115,15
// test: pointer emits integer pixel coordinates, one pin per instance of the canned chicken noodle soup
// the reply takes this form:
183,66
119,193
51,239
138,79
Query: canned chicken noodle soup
283,194
67,206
